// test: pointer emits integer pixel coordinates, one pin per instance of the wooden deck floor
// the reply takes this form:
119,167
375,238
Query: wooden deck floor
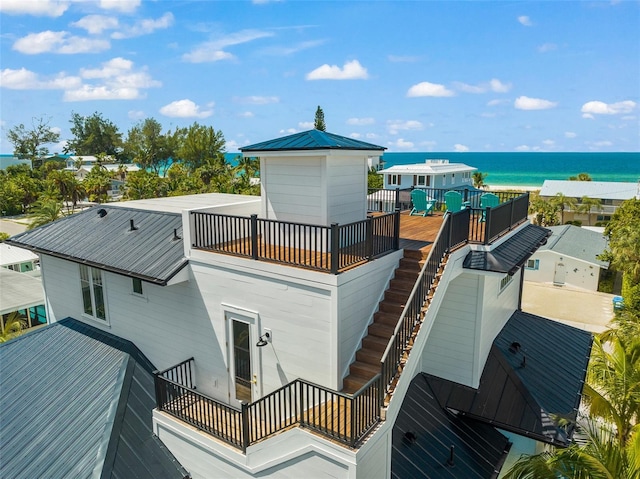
419,232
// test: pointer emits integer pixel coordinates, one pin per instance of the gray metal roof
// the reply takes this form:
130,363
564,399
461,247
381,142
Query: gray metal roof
424,433
577,242
19,291
510,255
532,380
606,190
311,140
150,252
77,402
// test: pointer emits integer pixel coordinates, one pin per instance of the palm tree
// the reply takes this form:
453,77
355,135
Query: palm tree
45,211
581,177
478,179
12,326
562,202
588,204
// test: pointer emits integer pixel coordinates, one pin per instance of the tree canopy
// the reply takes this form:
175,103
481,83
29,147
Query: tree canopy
319,123
93,135
29,143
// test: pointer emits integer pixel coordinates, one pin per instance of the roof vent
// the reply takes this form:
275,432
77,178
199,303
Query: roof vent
102,212
410,437
450,461
132,227
514,347
176,236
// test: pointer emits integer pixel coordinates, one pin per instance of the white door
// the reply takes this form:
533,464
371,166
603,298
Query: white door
242,356
560,274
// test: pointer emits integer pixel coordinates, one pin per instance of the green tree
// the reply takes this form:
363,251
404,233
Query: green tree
623,231
201,145
12,326
45,211
588,205
97,184
319,123
144,184
4,236
93,135
478,179
374,180
148,146
563,202
581,177
30,143
545,212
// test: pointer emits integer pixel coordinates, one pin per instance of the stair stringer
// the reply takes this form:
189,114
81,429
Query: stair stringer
413,365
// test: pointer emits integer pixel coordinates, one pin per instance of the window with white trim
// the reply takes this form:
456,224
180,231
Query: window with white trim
533,264
93,292
137,286
394,180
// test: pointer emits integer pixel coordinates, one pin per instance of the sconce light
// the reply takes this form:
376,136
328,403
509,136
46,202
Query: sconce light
263,340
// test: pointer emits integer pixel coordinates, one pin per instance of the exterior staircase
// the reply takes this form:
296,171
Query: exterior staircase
367,363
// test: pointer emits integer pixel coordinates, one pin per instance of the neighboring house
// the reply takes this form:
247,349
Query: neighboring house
610,193
19,259
569,257
82,166
86,414
298,336
430,174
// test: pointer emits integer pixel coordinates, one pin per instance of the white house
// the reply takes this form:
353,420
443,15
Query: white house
295,335
569,257
610,193
430,174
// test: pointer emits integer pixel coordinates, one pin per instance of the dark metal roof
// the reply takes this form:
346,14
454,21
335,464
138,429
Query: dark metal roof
509,256
311,140
424,433
149,252
532,380
77,402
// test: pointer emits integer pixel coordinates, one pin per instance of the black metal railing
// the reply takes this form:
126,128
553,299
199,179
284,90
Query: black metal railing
322,248
342,417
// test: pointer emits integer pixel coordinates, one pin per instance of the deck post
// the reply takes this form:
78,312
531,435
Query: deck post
397,205
335,248
369,238
511,214
245,425
254,237
396,230
487,225
156,380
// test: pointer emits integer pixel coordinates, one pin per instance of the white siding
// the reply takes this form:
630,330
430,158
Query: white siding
578,273
450,350
346,188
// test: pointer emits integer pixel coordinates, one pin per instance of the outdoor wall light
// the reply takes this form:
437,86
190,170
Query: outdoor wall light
263,340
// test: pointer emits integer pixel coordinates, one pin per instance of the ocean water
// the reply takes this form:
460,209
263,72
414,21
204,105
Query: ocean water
531,169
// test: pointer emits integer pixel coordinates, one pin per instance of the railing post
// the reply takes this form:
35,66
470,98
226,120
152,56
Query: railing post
369,238
156,380
254,237
335,248
487,225
449,231
511,214
396,230
397,206
245,425
352,420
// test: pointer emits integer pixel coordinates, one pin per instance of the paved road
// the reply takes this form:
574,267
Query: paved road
11,227
577,307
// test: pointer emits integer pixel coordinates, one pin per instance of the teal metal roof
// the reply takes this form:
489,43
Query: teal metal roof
311,140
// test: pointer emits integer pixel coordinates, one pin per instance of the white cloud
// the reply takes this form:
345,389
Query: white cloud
429,89
497,86
101,92
460,148
602,108
350,71
184,109
213,51
548,143
40,8
395,126
136,114
291,49
257,100
401,144
522,148
110,68
360,121
58,42
24,79
465,87
588,116
547,47
306,125
570,134
96,24
526,103
288,131
524,20
246,114
144,27
124,6
494,85
498,102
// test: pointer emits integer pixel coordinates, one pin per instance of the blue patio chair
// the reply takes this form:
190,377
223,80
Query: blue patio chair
453,200
488,200
421,203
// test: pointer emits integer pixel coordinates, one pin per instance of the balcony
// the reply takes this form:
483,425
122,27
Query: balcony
343,418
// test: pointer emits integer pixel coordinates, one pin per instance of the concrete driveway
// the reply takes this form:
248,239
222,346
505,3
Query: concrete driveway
589,310
12,227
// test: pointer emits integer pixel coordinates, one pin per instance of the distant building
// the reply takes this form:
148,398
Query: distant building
430,174
610,193
569,257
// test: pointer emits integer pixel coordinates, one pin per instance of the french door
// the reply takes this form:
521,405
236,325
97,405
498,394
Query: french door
242,354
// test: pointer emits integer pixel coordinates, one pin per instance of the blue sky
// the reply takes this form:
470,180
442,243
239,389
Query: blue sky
410,76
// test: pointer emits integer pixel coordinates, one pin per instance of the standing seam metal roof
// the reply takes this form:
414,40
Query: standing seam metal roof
311,140
84,412
106,241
